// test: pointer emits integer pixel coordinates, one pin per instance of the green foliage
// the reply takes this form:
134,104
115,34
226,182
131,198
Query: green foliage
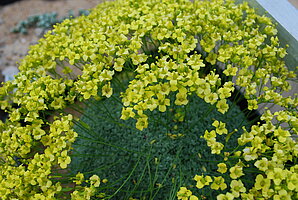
167,152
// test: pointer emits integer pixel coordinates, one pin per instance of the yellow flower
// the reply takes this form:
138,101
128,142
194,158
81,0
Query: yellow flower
64,159
218,182
39,197
202,181
195,62
14,116
76,195
230,70
222,106
292,181
277,175
209,135
58,103
203,88
237,187
236,172
211,58
127,113
270,30
164,89
104,180
250,153
224,92
245,137
281,134
106,75
95,180
283,195
181,97
118,66
262,164
246,196
193,197
212,78
262,183
79,178
142,122
227,196
212,98
222,168
118,35
183,193
162,102
216,147
107,91
220,127
252,104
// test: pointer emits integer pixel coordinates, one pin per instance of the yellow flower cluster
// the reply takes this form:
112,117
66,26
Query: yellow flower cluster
270,147
185,194
25,167
175,48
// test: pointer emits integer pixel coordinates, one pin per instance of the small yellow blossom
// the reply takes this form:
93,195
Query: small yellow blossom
202,181
127,113
227,196
222,168
95,180
107,91
181,98
142,122
184,193
277,175
283,195
222,106
237,187
252,104
262,164
79,178
236,172
220,127
230,71
262,183
218,182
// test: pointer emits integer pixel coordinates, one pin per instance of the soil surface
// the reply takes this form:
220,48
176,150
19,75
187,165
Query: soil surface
14,46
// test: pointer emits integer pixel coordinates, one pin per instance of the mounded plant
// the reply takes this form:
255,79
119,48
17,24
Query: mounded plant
143,67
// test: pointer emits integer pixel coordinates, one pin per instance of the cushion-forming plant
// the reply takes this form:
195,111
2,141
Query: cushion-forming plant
167,45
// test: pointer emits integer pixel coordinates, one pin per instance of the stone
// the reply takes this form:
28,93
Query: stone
39,32
23,40
9,73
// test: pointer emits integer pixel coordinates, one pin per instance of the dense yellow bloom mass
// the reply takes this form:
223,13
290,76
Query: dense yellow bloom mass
172,48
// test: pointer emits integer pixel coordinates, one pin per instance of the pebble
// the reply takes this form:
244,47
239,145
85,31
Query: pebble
9,73
23,40
38,32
